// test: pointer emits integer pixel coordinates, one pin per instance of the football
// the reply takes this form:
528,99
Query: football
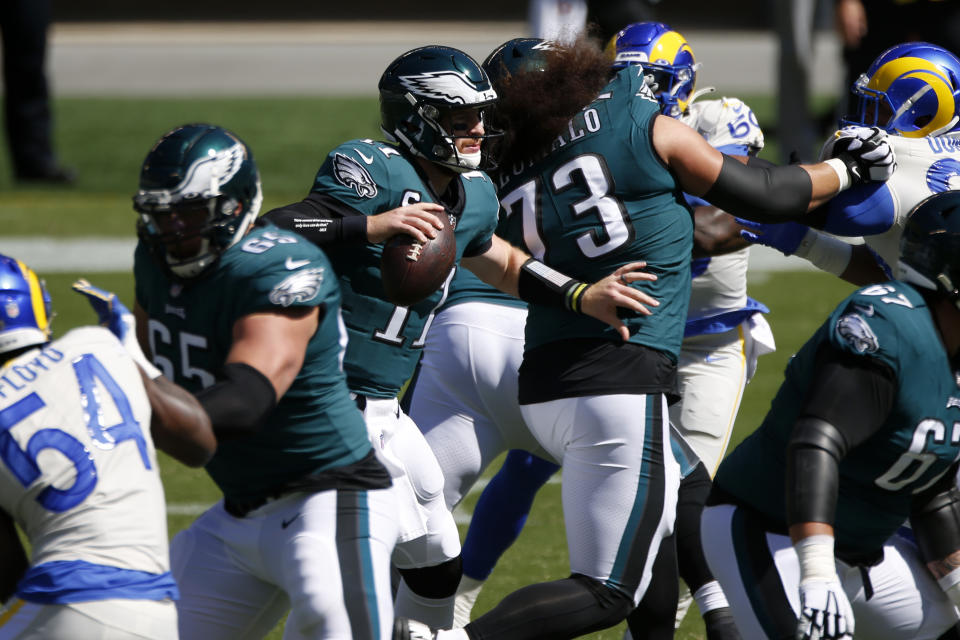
411,270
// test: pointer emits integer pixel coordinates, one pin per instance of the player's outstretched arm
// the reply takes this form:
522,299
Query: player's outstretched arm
715,232
854,263
13,558
513,271
115,316
759,191
179,426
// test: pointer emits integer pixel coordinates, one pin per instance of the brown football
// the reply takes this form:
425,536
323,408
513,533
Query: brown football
411,271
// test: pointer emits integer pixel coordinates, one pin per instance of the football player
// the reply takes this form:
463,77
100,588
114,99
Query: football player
432,103
591,180
79,474
912,91
723,337
804,515
247,316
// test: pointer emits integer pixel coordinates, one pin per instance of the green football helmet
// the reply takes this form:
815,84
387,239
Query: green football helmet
199,194
930,245
419,88
516,56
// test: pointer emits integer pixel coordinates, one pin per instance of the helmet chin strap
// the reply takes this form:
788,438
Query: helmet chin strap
467,161
192,266
945,128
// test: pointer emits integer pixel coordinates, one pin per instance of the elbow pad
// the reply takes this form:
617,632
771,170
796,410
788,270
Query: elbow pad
936,524
813,475
240,401
761,192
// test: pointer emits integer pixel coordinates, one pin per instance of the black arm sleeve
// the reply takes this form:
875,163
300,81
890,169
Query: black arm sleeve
322,220
935,517
760,191
240,401
540,284
813,471
853,393
830,424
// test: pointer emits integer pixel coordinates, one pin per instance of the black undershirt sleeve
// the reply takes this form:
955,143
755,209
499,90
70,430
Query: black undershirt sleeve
761,191
240,401
848,401
853,393
322,220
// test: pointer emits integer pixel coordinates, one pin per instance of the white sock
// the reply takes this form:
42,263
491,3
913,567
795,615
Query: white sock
466,597
436,613
452,634
710,596
683,605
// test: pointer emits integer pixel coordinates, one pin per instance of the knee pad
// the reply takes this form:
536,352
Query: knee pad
439,581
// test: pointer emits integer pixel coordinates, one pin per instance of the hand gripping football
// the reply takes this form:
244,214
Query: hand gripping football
411,270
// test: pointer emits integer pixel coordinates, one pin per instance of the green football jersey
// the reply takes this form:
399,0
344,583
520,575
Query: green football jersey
603,198
466,287
315,425
890,323
385,339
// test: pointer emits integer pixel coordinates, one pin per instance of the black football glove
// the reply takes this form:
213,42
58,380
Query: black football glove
865,151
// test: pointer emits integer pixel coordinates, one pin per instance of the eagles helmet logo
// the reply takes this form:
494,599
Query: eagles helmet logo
353,175
855,330
448,85
301,286
204,178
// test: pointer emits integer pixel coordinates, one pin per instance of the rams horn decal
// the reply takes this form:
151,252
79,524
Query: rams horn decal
352,175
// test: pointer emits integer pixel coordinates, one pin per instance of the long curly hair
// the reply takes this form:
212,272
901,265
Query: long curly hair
535,106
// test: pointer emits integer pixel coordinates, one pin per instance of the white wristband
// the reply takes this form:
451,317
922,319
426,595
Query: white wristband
843,174
815,554
129,342
825,252
950,584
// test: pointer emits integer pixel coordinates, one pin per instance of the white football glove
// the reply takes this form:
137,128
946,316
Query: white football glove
825,612
865,151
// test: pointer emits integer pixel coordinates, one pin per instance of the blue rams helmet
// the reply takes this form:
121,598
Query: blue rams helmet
199,193
930,245
419,89
664,54
24,307
911,89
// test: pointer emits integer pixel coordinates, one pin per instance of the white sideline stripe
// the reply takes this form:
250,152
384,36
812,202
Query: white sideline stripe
95,254
52,255
461,515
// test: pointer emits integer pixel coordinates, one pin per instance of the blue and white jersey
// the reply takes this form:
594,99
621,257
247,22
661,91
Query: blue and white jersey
78,472
878,211
718,292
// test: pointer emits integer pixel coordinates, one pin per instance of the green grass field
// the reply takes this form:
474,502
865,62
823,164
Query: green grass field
107,139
